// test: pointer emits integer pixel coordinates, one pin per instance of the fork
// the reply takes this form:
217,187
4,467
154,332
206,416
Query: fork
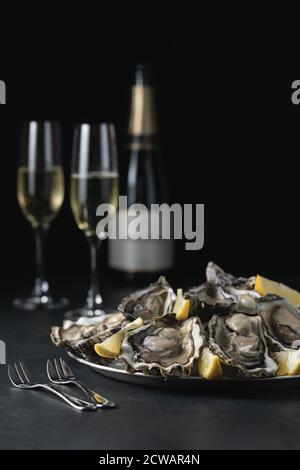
61,373
20,377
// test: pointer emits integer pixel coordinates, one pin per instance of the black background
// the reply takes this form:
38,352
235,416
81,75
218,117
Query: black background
229,130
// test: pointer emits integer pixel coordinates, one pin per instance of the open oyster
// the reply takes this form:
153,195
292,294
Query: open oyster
218,276
281,321
238,339
165,346
207,299
81,336
152,302
222,292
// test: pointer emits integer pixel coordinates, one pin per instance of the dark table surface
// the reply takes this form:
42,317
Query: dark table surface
146,418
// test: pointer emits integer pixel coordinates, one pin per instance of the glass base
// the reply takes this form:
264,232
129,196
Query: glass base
84,312
40,303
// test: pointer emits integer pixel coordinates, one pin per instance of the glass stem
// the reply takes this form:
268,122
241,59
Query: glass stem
41,286
94,299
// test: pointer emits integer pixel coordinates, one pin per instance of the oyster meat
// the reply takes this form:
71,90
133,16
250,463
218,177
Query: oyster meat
238,339
164,346
155,301
281,322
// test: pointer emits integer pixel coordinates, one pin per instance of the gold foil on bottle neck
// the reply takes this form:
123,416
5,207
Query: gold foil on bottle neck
142,120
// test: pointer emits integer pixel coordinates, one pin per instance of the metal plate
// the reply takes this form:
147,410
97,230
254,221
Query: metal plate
193,382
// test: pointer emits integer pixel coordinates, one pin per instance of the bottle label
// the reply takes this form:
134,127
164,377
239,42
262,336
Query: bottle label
140,255
130,253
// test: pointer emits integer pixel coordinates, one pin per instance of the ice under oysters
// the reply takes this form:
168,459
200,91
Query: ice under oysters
242,328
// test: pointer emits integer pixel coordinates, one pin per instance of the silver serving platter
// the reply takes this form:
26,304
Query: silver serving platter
225,383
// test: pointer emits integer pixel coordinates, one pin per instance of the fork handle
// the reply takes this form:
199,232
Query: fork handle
100,401
75,402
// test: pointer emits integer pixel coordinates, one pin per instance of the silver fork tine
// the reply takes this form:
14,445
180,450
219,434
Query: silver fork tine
51,370
57,368
18,373
26,372
66,369
12,375
70,378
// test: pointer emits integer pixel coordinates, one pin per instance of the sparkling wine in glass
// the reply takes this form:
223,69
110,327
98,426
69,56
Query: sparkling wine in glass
94,181
40,192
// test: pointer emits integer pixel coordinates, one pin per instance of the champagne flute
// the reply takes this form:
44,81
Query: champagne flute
94,181
40,193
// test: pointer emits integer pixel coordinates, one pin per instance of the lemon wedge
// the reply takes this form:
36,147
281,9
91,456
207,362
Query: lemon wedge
209,365
111,347
265,286
294,362
181,306
288,362
282,360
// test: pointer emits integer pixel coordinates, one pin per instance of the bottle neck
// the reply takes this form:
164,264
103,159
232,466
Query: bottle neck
143,127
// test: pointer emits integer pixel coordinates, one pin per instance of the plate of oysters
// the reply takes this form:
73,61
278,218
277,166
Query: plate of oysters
231,331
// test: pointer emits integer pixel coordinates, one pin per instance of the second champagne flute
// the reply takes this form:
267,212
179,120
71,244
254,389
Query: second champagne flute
94,181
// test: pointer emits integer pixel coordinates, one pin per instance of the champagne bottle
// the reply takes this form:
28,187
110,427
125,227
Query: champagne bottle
144,184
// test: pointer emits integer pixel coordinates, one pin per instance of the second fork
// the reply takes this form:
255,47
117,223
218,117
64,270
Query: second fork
60,373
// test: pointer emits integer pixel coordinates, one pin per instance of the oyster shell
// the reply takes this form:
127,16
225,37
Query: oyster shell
218,276
81,336
164,346
154,301
238,339
245,303
281,322
222,292
208,298
72,332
